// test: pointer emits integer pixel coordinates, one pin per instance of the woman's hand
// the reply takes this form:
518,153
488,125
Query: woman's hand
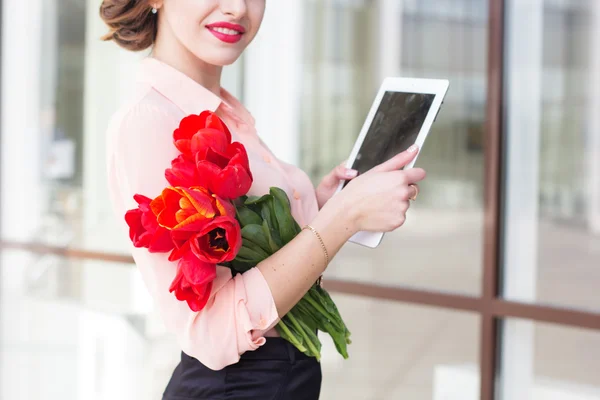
378,200
330,182
375,201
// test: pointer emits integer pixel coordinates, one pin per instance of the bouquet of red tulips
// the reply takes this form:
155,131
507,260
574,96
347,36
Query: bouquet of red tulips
205,219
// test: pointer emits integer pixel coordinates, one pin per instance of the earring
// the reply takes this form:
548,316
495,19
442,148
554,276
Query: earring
154,10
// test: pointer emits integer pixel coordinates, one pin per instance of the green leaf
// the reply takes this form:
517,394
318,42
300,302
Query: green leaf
306,316
331,321
254,233
269,218
309,315
247,217
266,211
257,199
239,202
255,248
319,312
321,295
339,339
241,265
255,208
275,224
297,227
337,333
267,231
283,215
282,196
276,238
247,253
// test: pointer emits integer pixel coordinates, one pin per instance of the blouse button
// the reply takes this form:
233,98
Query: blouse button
296,195
267,159
262,324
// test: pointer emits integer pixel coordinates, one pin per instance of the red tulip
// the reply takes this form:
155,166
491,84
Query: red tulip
217,241
144,230
222,167
226,174
187,212
182,173
193,282
197,133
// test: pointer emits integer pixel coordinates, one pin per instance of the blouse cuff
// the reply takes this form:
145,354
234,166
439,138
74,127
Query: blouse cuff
255,309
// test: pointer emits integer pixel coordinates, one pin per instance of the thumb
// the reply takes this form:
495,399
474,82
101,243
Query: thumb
399,161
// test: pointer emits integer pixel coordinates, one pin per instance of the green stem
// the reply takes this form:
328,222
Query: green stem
309,343
289,336
319,308
320,295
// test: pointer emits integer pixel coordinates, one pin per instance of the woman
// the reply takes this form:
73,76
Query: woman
230,349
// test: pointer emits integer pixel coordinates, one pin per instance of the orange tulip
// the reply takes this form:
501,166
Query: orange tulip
188,209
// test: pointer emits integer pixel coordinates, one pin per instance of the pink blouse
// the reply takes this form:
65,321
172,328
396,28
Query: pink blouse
241,310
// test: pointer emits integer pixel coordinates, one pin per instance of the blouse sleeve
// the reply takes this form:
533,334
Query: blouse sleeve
241,309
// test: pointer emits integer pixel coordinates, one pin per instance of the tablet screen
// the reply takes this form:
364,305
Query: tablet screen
395,128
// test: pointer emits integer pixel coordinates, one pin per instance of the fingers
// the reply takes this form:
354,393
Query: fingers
414,175
399,161
408,192
407,176
339,173
414,188
404,206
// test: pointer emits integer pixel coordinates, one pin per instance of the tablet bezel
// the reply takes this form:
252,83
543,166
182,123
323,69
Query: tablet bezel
439,88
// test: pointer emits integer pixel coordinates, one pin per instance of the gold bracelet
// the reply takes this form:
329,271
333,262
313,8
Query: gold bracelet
321,241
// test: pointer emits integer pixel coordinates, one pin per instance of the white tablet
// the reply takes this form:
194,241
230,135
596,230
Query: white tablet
401,115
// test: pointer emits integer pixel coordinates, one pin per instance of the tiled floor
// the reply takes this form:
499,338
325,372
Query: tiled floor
81,330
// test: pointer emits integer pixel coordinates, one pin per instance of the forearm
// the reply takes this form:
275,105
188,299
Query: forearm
292,270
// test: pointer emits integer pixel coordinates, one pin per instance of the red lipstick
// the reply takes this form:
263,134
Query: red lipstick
226,31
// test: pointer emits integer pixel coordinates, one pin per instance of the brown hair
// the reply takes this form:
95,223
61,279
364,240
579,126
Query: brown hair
131,23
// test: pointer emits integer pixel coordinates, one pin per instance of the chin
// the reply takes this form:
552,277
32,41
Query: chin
220,58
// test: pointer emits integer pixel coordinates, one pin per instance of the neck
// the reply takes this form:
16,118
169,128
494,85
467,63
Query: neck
180,58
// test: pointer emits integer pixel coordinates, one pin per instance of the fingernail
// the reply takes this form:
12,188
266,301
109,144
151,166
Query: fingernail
412,148
351,173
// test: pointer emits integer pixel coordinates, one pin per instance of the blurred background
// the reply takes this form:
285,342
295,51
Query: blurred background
489,291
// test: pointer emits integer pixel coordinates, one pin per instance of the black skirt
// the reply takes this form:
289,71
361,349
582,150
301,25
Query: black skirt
275,371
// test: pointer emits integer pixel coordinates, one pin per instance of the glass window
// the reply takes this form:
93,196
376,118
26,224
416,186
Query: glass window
77,329
63,338
403,351
552,221
547,362
75,342
350,50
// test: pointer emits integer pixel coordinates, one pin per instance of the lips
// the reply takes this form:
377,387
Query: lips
226,31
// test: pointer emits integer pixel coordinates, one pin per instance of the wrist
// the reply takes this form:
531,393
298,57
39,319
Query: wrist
338,217
320,203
